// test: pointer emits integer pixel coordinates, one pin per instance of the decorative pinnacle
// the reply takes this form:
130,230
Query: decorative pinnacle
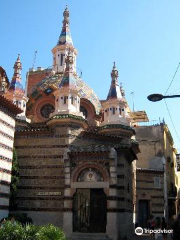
114,74
17,64
69,61
17,69
66,16
114,66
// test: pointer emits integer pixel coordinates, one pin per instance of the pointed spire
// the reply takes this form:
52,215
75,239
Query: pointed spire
16,85
68,79
65,36
114,91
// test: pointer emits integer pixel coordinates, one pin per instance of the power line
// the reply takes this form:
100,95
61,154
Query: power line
172,121
172,78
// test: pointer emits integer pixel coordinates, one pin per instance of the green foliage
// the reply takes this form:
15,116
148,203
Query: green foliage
50,232
11,231
14,180
16,231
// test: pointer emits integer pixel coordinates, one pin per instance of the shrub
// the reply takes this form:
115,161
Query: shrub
11,231
49,232
16,231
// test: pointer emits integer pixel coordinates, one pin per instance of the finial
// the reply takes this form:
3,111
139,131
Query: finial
114,74
17,64
114,66
18,58
66,16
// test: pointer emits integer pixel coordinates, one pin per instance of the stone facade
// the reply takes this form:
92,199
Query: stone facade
51,158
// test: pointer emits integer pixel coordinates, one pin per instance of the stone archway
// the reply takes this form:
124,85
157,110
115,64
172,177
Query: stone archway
89,200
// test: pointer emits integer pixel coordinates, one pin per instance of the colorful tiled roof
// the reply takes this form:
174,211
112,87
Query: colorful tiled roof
65,36
54,81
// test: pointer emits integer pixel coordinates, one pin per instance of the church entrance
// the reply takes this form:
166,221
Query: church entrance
89,211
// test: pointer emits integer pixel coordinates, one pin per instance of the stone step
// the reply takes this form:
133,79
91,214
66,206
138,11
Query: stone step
89,236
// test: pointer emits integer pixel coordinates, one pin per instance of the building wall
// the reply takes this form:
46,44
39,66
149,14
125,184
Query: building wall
7,128
41,164
46,186
34,77
157,153
150,166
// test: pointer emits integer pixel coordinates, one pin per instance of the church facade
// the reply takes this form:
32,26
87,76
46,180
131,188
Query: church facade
76,154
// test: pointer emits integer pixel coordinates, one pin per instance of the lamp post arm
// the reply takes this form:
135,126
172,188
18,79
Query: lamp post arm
171,96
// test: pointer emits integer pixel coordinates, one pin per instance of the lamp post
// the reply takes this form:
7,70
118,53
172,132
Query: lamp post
158,97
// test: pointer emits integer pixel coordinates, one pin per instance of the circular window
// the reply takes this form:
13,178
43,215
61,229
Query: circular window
46,110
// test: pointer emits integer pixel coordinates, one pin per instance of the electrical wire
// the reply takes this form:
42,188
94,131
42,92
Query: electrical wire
172,78
172,120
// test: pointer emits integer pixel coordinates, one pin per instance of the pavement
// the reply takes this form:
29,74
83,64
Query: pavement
147,237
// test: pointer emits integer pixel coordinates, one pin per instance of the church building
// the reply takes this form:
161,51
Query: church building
75,152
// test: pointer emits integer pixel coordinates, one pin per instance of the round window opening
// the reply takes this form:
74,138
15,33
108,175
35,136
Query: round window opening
46,110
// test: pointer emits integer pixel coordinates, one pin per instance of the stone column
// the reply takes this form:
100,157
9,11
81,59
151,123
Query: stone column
67,214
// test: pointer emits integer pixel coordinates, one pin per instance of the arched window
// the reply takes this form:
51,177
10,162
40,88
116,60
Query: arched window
84,111
113,110
65,98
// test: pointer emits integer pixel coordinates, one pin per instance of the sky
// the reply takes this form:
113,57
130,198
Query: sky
141,36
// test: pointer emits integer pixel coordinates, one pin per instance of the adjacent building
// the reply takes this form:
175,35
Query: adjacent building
8,112
155,178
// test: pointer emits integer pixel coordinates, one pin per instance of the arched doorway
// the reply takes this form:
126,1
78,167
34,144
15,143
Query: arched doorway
89,211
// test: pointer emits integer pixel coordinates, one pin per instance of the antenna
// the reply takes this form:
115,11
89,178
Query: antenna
80,72
34,59
132,93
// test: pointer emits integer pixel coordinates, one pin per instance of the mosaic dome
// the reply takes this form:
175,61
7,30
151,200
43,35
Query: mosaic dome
51,83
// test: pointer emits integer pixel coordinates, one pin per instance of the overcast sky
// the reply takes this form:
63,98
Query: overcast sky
142,36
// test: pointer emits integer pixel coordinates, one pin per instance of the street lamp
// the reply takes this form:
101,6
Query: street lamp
158,97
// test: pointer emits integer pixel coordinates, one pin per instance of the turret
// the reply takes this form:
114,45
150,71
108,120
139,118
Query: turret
64,45
115,107
16,91
67,100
